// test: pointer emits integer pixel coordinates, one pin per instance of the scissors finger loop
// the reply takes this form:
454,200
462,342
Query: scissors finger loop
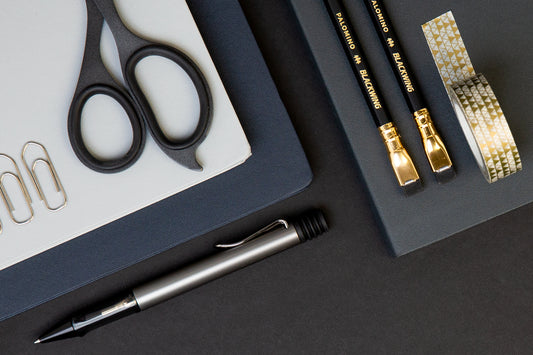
76,138
198,80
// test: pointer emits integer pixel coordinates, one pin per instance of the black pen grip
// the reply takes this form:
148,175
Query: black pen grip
395,54
358,61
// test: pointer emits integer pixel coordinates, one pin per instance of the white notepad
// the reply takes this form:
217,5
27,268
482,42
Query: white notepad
42,49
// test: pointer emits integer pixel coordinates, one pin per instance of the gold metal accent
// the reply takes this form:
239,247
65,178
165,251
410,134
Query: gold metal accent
55,177
433,146
400,160
5,196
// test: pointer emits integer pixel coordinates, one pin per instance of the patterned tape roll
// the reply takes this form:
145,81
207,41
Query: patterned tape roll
479,113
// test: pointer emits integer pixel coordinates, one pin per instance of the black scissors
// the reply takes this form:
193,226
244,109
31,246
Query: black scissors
95,79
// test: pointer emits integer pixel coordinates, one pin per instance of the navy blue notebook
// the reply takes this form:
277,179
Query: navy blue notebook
277,169
439,211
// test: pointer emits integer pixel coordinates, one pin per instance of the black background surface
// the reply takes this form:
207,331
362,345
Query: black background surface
341,293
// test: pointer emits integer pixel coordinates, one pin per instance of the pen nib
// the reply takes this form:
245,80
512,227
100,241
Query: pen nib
64,331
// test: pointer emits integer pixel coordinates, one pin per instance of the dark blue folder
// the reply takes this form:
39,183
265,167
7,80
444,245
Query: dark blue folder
277,169
440,210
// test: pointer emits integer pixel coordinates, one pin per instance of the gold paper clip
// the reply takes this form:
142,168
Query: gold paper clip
5,196
33,174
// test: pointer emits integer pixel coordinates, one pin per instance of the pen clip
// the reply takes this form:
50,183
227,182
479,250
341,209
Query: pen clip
271,226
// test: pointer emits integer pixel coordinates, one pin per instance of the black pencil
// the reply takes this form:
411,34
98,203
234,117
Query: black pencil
400,160
434,147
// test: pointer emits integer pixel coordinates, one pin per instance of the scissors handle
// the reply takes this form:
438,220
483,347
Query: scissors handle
181,150
132,49
94,79
75,135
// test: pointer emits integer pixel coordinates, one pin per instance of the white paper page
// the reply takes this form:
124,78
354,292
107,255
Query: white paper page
42,50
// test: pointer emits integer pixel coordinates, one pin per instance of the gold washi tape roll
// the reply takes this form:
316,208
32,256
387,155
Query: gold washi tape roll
477,109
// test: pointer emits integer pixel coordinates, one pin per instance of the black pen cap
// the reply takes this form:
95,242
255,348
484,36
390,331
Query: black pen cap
310,225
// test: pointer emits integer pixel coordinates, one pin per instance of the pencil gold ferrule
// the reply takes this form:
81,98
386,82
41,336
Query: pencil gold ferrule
401,162
436,152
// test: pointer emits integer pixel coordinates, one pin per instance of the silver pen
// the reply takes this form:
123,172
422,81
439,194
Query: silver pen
270,240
